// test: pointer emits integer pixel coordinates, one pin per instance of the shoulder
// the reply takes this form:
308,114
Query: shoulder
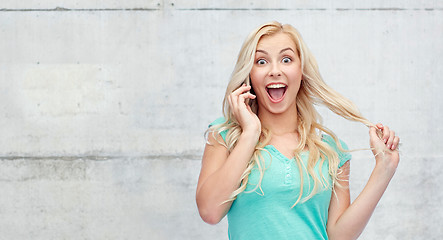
217,121
331,142
343,156
216,126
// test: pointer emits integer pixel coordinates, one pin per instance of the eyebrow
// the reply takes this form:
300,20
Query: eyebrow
284,49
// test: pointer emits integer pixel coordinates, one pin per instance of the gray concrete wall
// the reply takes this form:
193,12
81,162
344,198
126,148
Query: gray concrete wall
104,104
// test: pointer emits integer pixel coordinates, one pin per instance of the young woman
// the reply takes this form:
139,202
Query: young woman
270,165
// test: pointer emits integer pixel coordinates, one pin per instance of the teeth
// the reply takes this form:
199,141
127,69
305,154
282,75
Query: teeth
277,85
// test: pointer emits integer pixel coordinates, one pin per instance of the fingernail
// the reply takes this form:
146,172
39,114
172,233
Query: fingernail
389,146
385,140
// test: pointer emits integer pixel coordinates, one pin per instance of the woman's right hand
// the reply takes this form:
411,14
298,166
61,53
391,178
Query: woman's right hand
222,169
247,119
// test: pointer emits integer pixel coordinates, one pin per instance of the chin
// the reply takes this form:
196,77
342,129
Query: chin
277,109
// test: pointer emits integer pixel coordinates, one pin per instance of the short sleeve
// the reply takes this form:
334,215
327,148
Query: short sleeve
342,156
218,121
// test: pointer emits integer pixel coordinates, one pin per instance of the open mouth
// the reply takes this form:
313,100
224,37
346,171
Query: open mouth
276,91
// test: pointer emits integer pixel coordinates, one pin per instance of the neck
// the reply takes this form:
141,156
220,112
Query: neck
280,124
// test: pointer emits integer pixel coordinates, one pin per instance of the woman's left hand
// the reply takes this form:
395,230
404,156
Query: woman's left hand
385,149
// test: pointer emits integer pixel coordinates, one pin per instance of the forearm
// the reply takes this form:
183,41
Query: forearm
354,219
218,187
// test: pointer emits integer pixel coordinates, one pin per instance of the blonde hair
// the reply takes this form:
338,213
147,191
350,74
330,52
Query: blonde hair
313,90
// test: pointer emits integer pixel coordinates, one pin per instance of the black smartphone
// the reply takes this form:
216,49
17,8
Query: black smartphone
248,83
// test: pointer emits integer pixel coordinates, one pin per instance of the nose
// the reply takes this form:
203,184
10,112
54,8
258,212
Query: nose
275,70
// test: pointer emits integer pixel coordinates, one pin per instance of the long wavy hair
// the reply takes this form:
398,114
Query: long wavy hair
313,91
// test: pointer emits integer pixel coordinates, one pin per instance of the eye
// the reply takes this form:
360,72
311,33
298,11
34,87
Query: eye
261,61
286,60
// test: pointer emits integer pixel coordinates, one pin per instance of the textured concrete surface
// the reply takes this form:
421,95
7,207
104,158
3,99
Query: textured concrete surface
104,104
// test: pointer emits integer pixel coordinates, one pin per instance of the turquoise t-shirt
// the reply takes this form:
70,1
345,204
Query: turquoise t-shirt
268,215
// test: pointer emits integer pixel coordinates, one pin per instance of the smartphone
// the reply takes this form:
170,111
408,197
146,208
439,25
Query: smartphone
248,83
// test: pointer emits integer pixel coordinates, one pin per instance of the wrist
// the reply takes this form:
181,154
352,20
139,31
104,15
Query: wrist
250,135
385,167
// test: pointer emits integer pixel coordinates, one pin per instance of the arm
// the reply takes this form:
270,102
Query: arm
221,171
347,221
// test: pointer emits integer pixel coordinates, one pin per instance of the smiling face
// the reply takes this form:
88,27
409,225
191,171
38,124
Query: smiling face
276,74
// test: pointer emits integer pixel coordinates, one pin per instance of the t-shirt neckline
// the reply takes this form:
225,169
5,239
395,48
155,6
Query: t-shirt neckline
275,150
